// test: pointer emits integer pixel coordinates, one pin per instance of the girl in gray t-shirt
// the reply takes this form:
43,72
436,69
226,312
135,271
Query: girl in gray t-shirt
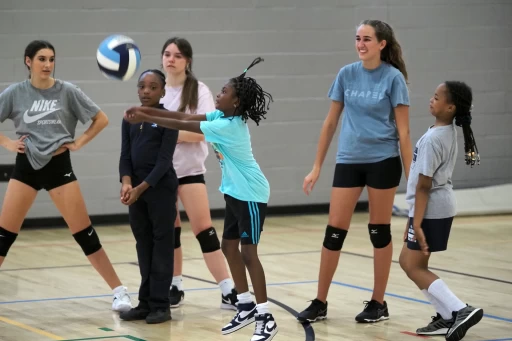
432,207
45,112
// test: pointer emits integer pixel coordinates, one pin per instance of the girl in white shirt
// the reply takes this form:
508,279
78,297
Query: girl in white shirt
183,92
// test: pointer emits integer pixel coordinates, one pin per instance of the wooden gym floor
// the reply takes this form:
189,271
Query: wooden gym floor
48,290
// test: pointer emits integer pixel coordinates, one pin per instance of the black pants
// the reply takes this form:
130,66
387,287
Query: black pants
152,221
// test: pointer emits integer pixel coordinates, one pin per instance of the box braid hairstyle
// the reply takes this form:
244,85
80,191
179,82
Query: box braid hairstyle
253,104
461,95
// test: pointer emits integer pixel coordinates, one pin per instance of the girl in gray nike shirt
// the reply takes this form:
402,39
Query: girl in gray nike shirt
432,207
45,112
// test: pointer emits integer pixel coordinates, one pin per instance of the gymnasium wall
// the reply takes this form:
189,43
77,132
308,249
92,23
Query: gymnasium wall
304,43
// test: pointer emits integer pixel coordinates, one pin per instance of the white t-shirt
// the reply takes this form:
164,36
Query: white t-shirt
189,157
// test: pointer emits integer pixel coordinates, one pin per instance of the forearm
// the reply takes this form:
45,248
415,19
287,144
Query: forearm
126,180
94,129
4,140
192,126
143,186
187,136
155,112
420,204
406,153
326,135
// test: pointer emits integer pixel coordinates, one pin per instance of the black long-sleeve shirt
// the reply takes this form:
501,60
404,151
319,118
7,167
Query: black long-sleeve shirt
146,154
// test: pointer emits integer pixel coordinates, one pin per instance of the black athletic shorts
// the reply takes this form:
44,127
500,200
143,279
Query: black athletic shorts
243,220
436,231
54,174
192,179
384,174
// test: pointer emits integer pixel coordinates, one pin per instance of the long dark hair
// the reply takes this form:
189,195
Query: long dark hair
189,96
392,52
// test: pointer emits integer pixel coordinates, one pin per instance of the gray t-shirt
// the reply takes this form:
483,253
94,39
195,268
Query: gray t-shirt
435,156
48,117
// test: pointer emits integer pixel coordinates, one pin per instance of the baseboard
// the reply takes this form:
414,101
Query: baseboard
115,219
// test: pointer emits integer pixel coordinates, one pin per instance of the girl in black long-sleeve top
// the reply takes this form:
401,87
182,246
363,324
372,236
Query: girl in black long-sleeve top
149,188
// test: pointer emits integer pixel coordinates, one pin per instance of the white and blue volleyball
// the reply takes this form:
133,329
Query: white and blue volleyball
118,57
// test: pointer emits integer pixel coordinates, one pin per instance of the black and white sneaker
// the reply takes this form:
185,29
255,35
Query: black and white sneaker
438,326
266,328
176,296
230,301
464,319
244,317
317,310
373,312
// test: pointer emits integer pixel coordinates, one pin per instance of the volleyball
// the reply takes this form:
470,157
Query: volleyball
118,57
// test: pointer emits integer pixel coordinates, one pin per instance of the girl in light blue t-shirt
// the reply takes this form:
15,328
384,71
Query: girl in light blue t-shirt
373,144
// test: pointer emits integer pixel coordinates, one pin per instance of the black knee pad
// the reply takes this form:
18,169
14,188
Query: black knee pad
177,235
380,235
7,238
334,238
88,240
208,240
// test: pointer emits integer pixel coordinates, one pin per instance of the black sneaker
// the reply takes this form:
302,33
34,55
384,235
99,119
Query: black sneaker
266,328
244,317
134,314
159,316
317,310
373,312
176,296
230,301
464,319
438,326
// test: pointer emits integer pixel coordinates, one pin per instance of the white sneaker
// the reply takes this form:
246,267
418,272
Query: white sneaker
122,301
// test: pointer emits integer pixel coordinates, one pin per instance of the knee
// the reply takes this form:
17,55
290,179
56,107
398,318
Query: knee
380,235
402,260
88,240
334,238
208,240
229,247
249,254
7,238
177,237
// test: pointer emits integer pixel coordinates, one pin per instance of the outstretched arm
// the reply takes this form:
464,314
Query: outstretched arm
155,112
137,116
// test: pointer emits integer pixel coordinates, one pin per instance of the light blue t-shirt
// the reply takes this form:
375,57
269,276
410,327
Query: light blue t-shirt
368,128
242,177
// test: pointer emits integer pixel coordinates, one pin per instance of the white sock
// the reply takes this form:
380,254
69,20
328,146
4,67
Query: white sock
263,308
445,296
119,289
244,298
226,286
447,315
178,282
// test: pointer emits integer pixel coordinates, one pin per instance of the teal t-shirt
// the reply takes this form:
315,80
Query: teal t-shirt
242,177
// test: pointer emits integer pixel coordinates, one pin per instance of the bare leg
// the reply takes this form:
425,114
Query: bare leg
18,199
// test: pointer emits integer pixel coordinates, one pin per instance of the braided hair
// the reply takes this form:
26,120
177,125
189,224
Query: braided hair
461,95
252,97
160,74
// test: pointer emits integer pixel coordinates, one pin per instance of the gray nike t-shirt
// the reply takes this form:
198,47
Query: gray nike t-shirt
435,156
48,117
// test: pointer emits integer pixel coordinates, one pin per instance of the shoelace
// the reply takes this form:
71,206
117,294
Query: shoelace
260,326
369,304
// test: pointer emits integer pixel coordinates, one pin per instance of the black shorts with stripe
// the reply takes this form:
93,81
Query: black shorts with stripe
243,220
